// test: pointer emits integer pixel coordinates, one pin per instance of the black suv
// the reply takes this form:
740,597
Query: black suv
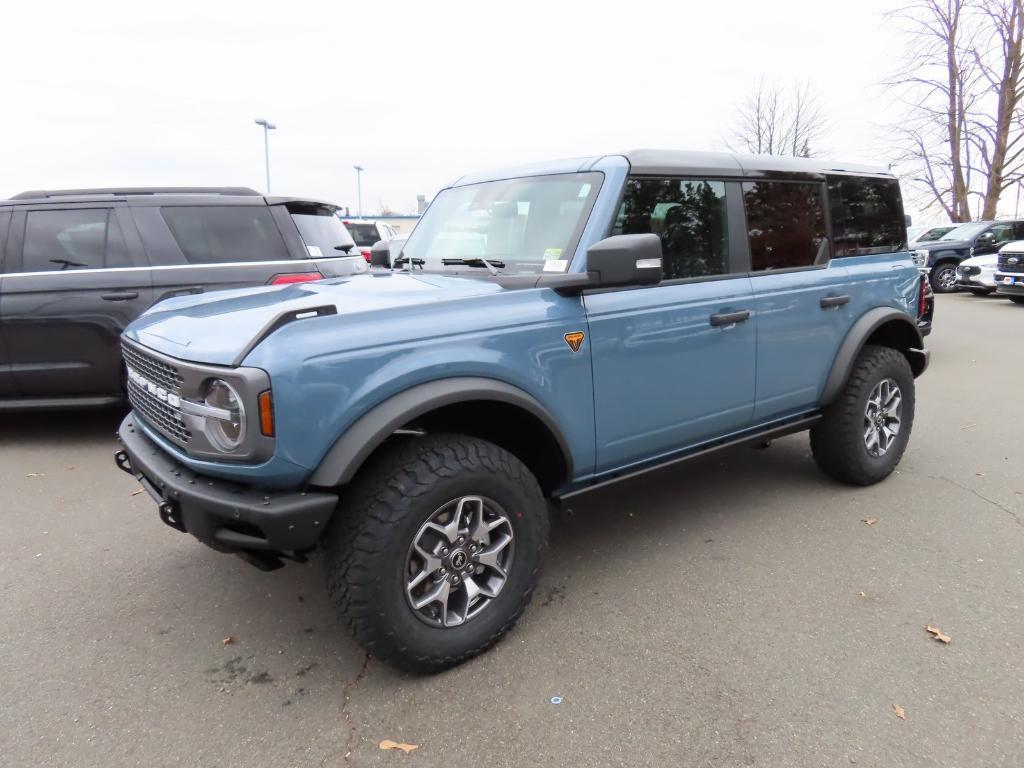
77,266
971,239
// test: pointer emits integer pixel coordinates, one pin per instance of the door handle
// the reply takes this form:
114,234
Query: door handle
120,296
827,302
191,291
729,318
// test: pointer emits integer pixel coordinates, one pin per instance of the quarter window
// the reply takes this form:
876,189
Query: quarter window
785,224
73,238
867,216
688,215
218,234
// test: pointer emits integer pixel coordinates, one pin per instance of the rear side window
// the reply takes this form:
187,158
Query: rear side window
73,238
365,234
867,216
689,217
218,234
785,224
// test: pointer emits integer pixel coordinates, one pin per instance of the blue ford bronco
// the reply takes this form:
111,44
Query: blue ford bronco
544,331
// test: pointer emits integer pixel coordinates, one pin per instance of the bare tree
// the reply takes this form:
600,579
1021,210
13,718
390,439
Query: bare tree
961,137
773,121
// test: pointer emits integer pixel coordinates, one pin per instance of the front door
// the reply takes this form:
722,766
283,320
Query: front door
674,363
6,379
73,282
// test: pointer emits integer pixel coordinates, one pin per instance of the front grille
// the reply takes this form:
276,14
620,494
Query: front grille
165,379
1005,266
160,373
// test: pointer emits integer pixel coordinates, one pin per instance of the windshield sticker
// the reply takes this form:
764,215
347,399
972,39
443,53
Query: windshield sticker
552,253
314,251
584,190
556,265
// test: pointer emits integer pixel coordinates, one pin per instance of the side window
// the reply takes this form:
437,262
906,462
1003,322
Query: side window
867,215
688,215
1003,232
73,238
217,234
785,224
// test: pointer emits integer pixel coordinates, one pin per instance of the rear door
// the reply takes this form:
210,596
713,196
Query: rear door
801,297
75,277
198,248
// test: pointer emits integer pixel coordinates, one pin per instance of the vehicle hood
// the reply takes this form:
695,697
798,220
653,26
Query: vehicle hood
985,260
220,328
952,245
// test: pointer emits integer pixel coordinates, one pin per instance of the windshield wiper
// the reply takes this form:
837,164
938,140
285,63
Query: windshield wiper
476,261
402,259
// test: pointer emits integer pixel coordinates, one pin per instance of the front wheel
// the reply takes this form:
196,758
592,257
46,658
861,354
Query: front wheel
436,550
943,277
863,434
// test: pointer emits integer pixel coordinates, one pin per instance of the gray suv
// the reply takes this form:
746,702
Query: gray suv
77,266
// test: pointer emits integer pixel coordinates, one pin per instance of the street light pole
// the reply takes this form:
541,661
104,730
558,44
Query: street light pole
359,189
267,126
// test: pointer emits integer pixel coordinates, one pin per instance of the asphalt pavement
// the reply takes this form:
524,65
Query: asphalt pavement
737,611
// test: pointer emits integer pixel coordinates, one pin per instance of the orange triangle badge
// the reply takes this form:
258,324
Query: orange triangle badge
574,340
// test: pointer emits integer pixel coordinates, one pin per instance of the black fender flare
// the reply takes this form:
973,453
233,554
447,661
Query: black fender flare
340,464
854,342
937,257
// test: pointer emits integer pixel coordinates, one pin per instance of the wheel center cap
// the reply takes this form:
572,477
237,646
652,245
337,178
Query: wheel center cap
459,559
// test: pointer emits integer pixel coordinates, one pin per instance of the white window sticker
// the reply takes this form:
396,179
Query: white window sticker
556,265
314,251
552,253
584,190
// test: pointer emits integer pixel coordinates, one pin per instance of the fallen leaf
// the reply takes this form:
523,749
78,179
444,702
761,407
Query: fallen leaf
228,640
389,744
137,492
980,474
899,712
861,594
870,520
938,634
35,474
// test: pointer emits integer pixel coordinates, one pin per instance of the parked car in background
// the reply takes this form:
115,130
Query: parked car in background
366,232
616,315
974,238
1009,276
978,274
932,234
77,266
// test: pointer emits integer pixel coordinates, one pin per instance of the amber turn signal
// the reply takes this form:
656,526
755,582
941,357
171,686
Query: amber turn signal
266,401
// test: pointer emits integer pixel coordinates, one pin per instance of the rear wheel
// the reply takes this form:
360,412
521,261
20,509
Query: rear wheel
943,277
436,550
863,434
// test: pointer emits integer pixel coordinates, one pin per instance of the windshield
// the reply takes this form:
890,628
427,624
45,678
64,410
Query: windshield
967,231
323,235
364,233
933,234
521,226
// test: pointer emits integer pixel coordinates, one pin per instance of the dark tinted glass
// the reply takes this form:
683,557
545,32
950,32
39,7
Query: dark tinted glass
212,234
689,217
364,234
324,235
785,223
867,216
81,238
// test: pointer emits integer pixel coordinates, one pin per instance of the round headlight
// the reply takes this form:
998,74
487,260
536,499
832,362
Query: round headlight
226,432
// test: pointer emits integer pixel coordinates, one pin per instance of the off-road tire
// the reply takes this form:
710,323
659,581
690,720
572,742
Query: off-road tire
837,441
367,543
937,274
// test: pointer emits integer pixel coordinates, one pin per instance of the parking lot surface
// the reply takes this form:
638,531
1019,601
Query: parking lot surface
736,611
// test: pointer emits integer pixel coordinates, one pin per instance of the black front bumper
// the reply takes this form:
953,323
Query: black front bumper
224,515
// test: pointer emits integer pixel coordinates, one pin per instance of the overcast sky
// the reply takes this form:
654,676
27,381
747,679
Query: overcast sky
418,93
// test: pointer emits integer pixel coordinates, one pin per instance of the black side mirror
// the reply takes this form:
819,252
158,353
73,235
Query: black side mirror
380,254
626,260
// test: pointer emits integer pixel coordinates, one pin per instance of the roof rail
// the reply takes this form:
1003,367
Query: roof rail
37,194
